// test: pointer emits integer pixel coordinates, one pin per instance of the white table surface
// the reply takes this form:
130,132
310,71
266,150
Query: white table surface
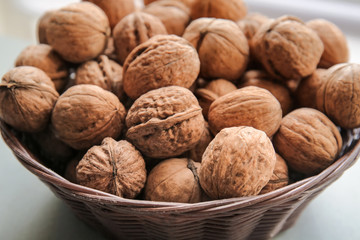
29,210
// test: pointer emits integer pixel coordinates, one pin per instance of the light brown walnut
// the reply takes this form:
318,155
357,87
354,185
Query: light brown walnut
251,23
188,3
42,25
279,178
197,152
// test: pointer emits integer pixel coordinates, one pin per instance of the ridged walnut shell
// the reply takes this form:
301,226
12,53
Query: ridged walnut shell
78,32
114,167
222,47
248,106
251,23
85,114
238,162
308,141
163,60
339,95
279,178
27,97
174,180
287,48
165,122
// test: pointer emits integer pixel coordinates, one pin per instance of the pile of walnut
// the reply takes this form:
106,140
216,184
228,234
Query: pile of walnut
182,101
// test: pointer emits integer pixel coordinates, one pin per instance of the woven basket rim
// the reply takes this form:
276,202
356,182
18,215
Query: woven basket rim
28,160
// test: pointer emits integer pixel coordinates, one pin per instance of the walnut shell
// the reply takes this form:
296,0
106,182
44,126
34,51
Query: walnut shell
174,180
308,141
114,167
164,60
229,9
70,170
188,3
42,25
134,29
27,97
287,48
238,162
173,14
339,95
279,178
196,152
85,114
251,23
222,47
335,45
248,106
45,58
78,32
165,122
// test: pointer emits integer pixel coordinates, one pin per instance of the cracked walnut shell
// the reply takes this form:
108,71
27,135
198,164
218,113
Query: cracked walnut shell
114,167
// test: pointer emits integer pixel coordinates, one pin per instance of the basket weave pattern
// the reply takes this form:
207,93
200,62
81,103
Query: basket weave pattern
257,217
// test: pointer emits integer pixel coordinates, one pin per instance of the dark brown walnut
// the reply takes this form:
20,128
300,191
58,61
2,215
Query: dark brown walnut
115,10
173,14
248,106
188,3
42,25
279,178
306,92
78,32
104,73
164,60
165,122
85,114
70,170
222,47
335,45
134,29
339,95
197,152
229,9
308,141
27,97
238,162
45,58
251,23
174,180
213,91
260,79
114,167
287,48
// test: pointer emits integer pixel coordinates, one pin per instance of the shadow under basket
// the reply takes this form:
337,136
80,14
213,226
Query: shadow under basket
256,217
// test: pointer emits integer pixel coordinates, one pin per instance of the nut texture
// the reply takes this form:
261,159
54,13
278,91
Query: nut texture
42,25
238,162
279,178
221,45
248,106
251,23
174,180
134,29
27,97
78,32
164,60
114,167
197,152
287,48
85,114
308,141
165,122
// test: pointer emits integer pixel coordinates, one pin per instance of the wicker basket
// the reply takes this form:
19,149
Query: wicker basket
257,217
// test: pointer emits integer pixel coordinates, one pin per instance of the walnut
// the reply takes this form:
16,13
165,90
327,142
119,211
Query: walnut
222,47
251,23
70,170
248,106
279,178
27,97
238,162
134,29
339,95
187,3
196,152
164,60
42,25
229,9
174,180
173,14
261,79
308,87
165,122
308,141
115,9
335,44
110,49
114,167
45,58
85,114
287,48
78,32
104,73
213,91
